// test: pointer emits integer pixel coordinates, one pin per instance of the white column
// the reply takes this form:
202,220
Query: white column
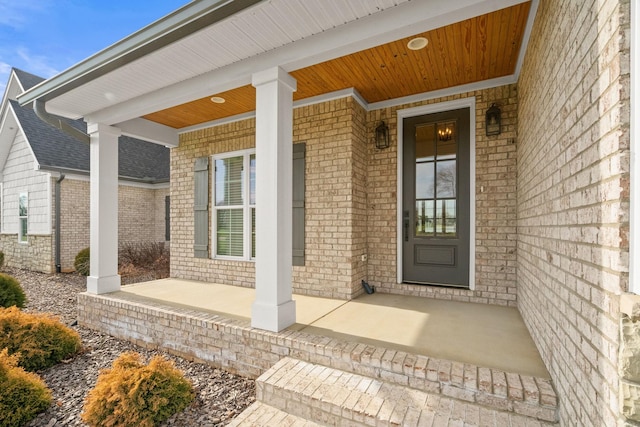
273,308
104,276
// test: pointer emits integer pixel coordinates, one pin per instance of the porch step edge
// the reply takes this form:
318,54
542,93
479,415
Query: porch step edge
505,391
260,414
335,397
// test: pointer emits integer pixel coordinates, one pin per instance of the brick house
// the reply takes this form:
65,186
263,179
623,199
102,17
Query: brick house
44,187
405,174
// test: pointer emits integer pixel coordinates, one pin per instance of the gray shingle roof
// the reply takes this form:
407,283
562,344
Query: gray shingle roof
27,80
54,149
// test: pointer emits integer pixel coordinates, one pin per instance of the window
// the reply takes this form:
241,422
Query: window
23,205
234,186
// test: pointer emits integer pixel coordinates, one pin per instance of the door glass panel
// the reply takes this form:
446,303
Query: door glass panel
425,180
425,224
446,218
436,182
425,142
446,172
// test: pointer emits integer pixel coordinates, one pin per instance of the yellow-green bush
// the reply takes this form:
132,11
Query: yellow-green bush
11,292
39,340
134,394
23,395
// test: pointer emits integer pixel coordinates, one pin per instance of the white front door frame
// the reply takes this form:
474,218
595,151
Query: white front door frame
430,109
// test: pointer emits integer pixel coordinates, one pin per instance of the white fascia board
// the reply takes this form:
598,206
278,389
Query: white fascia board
339,94
533,10
150,131
441,93
36,165
352,92
13,80
158,186
388,25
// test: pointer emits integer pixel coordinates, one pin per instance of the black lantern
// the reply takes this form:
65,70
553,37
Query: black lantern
492,124
382,136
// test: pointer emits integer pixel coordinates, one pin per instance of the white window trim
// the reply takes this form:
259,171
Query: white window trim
246,154
634,215
25,217
430,109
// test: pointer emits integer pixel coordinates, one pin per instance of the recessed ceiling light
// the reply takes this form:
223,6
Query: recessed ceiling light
218,99
417,43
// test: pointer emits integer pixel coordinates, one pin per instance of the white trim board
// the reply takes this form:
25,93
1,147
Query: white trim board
352,92
430,109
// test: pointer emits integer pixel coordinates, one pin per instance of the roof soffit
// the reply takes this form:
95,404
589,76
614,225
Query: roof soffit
190,68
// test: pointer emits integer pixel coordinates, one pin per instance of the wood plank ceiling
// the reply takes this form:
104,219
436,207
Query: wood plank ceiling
477,49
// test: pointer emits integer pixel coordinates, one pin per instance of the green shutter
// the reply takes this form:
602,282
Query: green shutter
299,151
201,208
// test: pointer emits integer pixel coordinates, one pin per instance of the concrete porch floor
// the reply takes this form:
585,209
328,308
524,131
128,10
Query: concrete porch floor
483,335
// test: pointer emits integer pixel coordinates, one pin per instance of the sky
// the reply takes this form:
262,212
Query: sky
45,37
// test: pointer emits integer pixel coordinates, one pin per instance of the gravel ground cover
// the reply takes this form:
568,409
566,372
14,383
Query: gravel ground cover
220,396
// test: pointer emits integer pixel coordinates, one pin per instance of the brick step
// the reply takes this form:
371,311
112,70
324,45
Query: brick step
260,414
510,392
331,396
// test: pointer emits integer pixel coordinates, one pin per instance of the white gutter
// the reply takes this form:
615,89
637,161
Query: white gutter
192,17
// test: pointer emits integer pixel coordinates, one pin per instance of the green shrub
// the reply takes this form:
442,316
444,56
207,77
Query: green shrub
10,292
24,394
82,263
39,340
131,393
1,259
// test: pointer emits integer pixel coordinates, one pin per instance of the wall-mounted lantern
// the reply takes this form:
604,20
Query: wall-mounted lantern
382,136
492,123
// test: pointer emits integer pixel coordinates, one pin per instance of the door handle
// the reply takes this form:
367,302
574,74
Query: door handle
406,226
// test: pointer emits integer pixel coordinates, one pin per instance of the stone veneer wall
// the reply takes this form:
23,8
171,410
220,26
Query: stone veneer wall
138,214
573,199
335,178
496,166
34,255
630,358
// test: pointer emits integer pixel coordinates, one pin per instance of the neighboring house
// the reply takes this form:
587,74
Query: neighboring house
44,187
539,213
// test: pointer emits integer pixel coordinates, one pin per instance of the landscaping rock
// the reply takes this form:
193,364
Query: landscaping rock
220,396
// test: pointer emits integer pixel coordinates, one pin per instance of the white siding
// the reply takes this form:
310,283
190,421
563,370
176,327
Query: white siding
19,177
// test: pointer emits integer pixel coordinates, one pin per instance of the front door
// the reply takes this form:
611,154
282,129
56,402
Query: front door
436,199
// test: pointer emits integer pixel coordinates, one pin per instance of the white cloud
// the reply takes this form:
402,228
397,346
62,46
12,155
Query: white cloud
4,68
36,64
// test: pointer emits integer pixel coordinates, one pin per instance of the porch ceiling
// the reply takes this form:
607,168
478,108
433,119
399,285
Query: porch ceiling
477,49
168,71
